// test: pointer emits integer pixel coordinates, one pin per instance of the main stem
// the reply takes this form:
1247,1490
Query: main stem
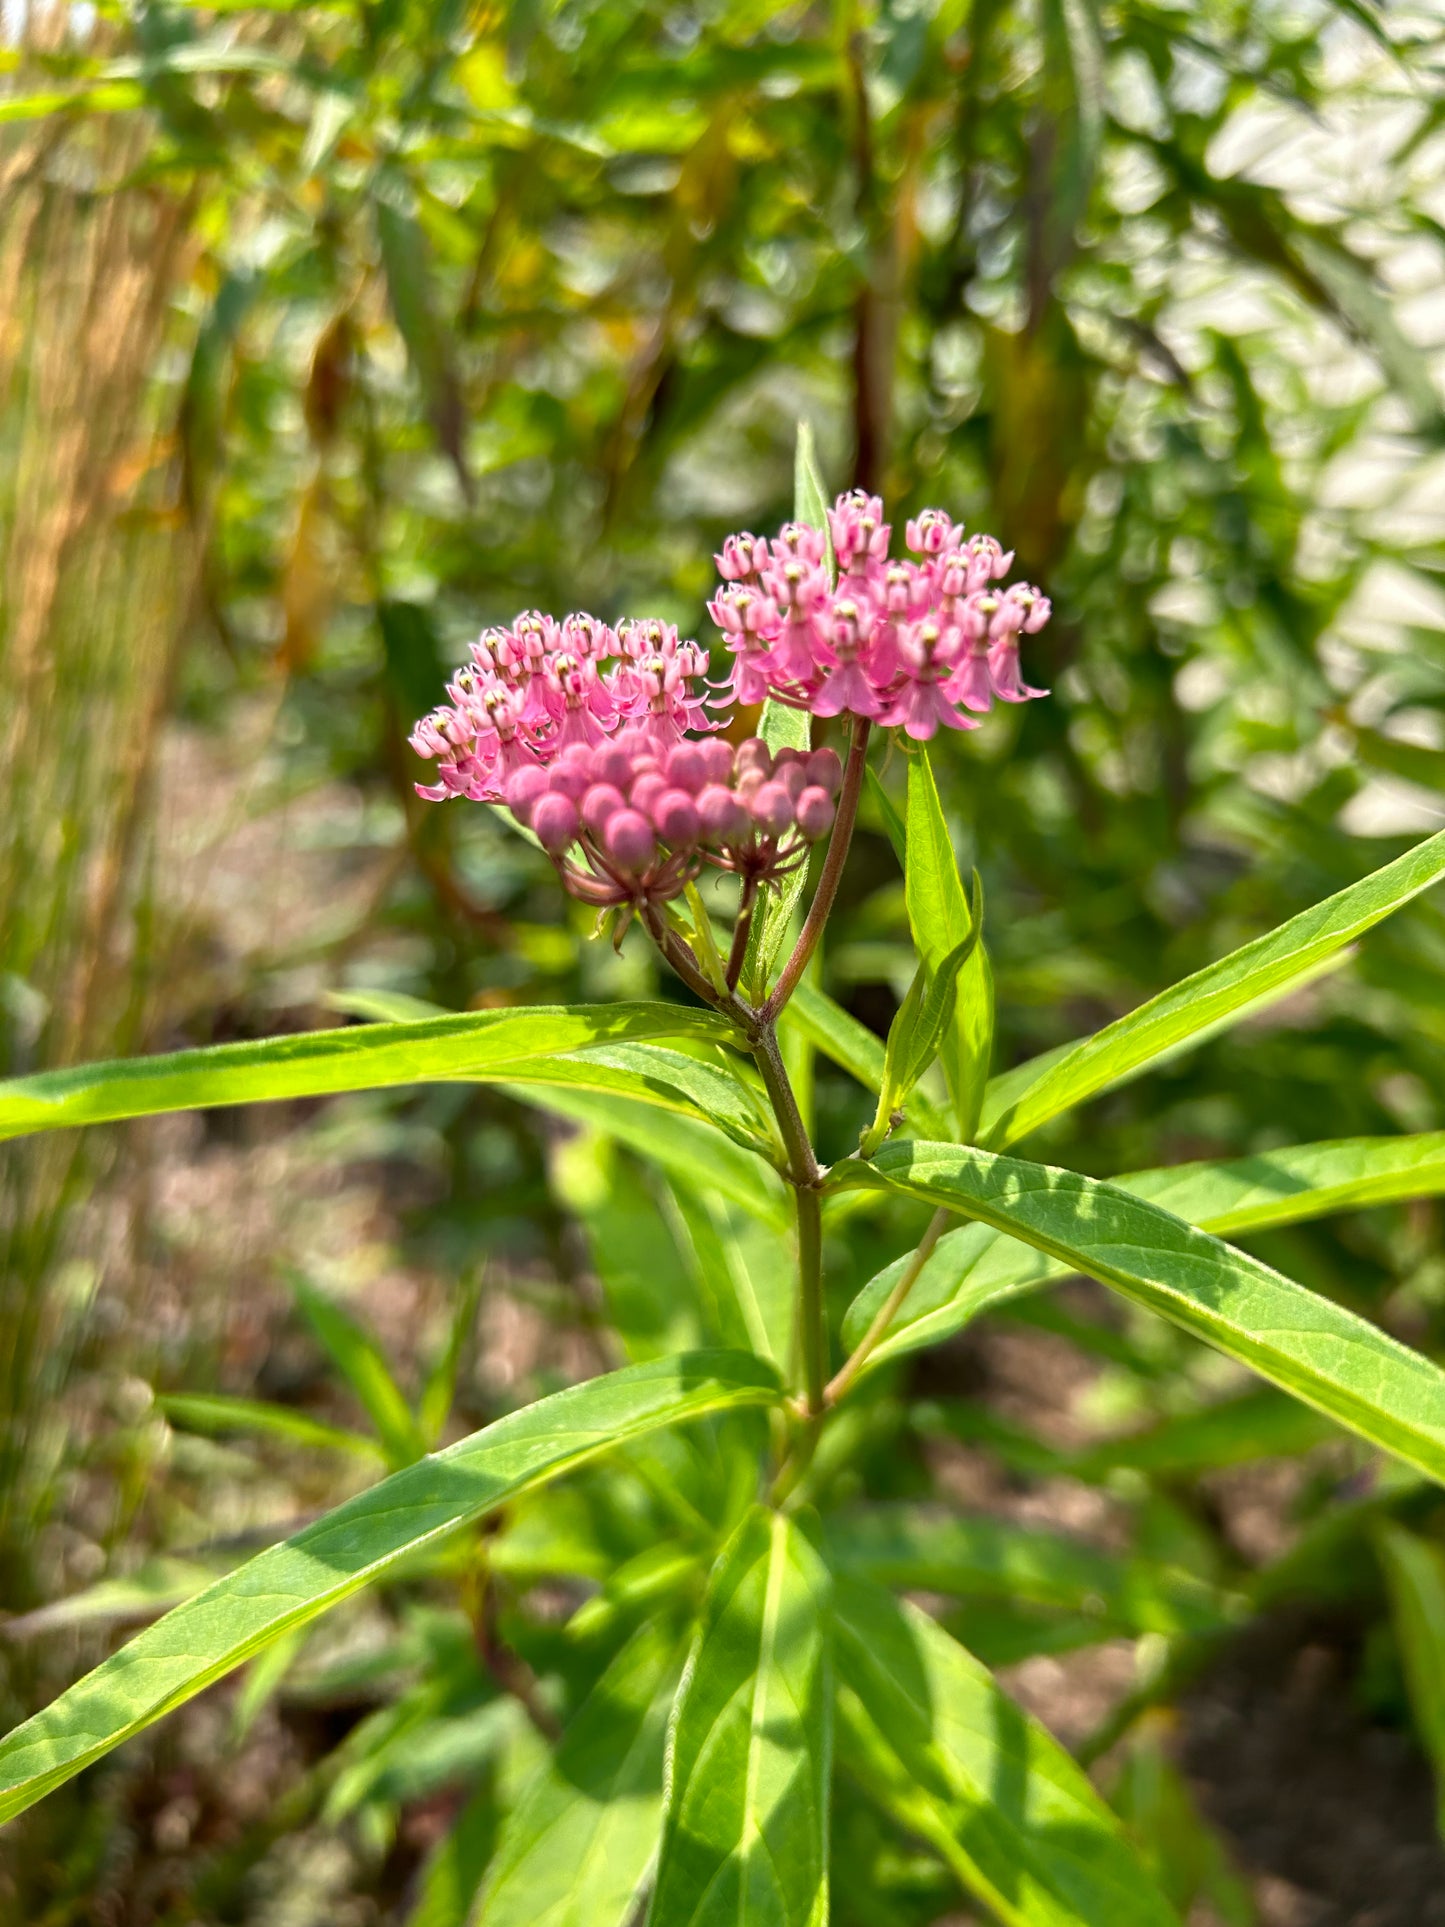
806,1178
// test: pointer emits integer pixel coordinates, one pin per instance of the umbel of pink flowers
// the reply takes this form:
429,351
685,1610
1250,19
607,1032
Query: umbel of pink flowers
603,741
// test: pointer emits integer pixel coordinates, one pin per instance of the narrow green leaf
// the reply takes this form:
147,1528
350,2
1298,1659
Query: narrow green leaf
406,264
1415,1575
810,498
743,1272
447,1890
211,1412
975,1267
1297,1183
1312,1348
892,822
941,918
1259,1424
934,1739
666,1079
854,1048
290,1584
683,1146
439,1388
1244,981
358,1358
745,1830
362,1057
576,1849
921,1548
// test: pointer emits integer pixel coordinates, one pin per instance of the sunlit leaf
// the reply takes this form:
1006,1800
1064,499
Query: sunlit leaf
745,1831
1022,1099
933,1738
1311,1347
361,1541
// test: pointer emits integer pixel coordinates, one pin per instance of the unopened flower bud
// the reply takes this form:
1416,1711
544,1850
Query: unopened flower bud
825,771
686,768
676,819
717,760
793,776
629,840
523,790
570,779
724,819
754,754
554,822
611,764
646,788
814,812
600,804
772,808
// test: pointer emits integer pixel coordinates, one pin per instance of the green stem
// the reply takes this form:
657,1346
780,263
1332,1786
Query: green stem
806,1178
888,1310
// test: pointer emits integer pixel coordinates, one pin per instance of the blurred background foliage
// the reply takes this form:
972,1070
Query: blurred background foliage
330,332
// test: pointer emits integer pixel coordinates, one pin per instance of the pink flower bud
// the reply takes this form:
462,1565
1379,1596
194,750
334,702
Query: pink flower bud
600,803
611,764
570,780
717,758
554,821
723,818
749,783
825,771
815,812
676,819
754,754
686,767
646,788
793,776
772,809
523,790
629,840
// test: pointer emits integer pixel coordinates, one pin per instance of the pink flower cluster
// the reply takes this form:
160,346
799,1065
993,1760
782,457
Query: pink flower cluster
908,644
646,816
541,687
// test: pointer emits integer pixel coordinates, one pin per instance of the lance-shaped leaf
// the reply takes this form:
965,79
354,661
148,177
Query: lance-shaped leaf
1415,1575
290,1584
669,1080
359,1359
454,1049
683,1146
1245,981
576,1849
917,1548
745,1832
933,1738
923,1019
1312,1348
941,919
975,1267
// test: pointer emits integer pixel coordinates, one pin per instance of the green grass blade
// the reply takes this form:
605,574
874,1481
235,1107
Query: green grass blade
934,1739
320,1063
745,1831
291,1584
1262,971
576,1849
359,1359
212,1413
1415,1575
1310,1347
975,1267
